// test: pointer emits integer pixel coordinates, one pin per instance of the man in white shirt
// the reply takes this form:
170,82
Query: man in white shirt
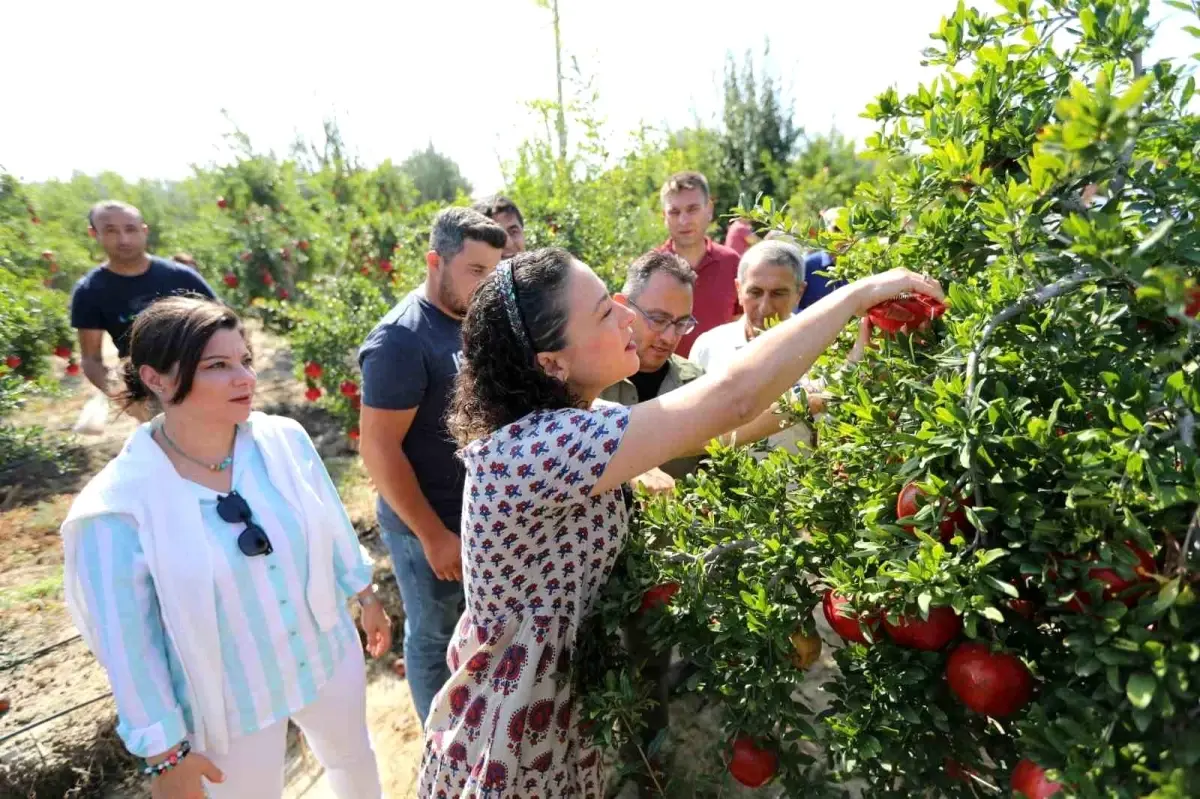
770,282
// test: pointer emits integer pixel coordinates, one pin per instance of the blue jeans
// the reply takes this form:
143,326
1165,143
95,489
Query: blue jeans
432,608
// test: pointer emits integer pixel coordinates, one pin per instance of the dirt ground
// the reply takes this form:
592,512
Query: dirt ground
79,755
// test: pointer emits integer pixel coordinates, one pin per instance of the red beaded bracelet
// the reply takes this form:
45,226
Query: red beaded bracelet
173,760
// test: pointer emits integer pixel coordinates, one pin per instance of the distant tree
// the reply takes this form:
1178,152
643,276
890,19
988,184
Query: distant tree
436,177
758,137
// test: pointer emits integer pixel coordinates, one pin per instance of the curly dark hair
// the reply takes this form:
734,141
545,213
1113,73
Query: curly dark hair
500,381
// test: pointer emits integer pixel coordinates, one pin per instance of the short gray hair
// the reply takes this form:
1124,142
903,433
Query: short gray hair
645,267
111,205
452,227
776,253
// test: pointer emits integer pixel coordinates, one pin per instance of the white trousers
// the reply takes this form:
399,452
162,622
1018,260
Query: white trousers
335,727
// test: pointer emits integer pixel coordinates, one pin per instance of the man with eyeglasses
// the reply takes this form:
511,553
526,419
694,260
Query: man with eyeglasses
658,288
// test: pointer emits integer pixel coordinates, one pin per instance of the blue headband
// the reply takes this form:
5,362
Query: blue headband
508,295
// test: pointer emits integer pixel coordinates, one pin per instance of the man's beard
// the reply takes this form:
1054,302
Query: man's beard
450,299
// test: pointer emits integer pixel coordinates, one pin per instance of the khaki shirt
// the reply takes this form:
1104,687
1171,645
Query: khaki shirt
680,371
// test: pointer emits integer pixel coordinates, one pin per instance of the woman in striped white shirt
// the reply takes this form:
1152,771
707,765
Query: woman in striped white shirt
209,566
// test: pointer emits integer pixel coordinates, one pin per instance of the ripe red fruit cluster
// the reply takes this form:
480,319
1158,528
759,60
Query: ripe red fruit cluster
751,764
990,683
231,280
951,522
353,434
1192,308
63,350
13,361
906,314
313,394
913,632
1029,780
385,266
659,596
72,369
838,614
221,203
348,388
1116,586
313,370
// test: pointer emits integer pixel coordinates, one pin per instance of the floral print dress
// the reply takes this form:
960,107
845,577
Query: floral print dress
538,547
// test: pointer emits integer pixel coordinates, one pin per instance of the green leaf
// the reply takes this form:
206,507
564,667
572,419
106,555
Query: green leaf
1114,678
991,614
1003,587
1155,236
1133,95
1166,596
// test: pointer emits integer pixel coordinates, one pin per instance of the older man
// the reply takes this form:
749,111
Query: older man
770,283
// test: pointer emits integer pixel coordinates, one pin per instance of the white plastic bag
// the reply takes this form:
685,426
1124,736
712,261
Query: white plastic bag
94,416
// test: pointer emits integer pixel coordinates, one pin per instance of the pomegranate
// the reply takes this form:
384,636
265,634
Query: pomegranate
1115,585
905,314
313,370
659,596
752,765
1029,780
1192,308
913,632
951,522
348,388
1022,607
838,614
313,394
990,683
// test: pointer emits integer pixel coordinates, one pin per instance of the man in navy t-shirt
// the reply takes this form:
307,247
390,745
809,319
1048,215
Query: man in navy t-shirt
107,298
409,362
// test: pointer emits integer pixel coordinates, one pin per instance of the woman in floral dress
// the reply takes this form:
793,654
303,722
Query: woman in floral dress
543,512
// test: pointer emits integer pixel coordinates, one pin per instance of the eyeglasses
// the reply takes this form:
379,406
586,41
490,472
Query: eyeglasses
234,509
660,322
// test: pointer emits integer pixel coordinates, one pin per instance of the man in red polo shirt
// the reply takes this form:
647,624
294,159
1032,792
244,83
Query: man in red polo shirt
688,211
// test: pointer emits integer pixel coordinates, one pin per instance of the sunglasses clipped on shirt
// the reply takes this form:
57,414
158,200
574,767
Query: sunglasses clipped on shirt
252,541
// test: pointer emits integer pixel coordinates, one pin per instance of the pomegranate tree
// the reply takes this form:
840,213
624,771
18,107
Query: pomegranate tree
1028,605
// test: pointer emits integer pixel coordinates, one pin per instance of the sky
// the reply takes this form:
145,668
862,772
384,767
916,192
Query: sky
147,89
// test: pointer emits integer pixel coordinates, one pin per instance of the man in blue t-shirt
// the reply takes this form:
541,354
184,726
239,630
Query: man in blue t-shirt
409,362
107,298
